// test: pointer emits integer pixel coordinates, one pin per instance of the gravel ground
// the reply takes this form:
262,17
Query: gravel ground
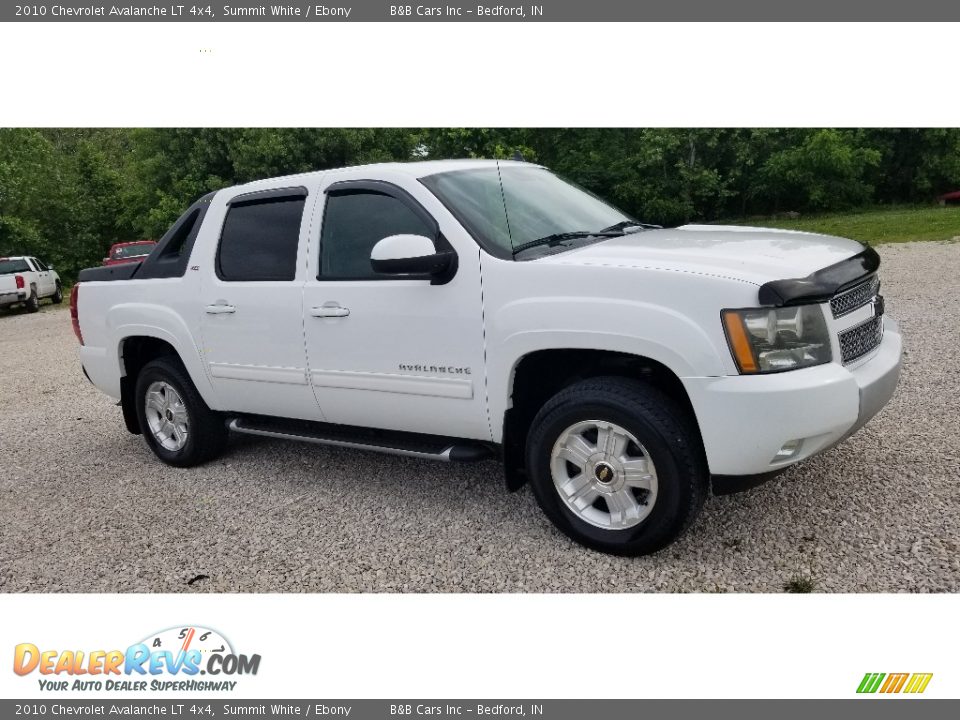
85,507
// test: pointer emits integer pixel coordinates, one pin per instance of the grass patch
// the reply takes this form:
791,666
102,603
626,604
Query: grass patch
799,585
887,225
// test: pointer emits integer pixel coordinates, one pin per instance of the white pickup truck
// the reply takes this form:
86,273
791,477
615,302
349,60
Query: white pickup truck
25,280
456,310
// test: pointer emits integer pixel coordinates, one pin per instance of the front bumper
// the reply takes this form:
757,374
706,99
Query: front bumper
746,420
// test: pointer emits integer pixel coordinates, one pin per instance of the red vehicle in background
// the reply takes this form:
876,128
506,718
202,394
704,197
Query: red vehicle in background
129,252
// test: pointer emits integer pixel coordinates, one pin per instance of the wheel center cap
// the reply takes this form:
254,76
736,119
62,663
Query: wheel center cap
604,473
170,415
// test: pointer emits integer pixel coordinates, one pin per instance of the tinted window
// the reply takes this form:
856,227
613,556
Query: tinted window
8,267
39,265
510,205
129,251
260,239
353,223
476,198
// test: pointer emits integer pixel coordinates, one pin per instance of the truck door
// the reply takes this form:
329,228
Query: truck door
398,354
251,311
46,285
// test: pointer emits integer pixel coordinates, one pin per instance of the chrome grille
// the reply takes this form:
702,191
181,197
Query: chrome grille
855,298
861,339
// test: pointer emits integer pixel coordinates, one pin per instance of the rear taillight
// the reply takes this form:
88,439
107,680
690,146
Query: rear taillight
20,283
74,316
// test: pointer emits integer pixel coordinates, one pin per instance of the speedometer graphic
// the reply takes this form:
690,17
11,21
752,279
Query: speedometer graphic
185,638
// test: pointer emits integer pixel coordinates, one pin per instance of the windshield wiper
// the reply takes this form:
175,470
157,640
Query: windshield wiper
621,226
558,238
554,239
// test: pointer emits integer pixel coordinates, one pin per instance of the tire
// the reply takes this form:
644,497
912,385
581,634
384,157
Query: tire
638,497
32,303
196,435
57,297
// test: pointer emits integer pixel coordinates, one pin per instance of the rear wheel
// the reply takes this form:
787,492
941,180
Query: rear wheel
58,295
175,421
32,303
617,465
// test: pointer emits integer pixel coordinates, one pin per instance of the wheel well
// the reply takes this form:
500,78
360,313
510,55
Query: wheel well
135,352
542,374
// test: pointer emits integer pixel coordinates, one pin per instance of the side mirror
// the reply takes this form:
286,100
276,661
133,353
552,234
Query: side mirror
49,267
410,255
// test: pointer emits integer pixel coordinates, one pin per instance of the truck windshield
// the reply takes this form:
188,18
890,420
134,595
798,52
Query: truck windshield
8,267
510,208
129,251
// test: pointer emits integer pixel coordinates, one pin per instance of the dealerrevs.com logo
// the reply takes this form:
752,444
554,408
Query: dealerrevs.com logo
173,659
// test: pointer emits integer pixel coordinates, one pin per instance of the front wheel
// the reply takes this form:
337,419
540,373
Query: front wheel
175,421
617,465
57,295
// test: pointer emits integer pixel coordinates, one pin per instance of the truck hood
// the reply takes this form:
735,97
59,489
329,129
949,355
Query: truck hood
754,255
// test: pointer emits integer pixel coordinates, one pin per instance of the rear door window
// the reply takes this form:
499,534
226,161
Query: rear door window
8,267
260,238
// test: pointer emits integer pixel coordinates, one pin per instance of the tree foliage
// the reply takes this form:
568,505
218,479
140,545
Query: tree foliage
68,194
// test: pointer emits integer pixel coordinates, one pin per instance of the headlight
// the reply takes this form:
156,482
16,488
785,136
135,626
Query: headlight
769,340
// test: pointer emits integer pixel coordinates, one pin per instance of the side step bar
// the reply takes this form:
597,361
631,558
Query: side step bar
426,447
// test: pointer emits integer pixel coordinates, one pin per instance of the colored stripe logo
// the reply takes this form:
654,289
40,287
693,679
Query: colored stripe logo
913,683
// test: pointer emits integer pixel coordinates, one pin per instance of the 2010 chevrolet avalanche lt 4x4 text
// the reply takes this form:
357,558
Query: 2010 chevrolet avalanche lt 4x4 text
456,309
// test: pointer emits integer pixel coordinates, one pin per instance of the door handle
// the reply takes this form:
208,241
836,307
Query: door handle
220,309
329,310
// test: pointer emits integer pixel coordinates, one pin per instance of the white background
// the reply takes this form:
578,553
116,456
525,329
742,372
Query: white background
520,646
433,74
474,74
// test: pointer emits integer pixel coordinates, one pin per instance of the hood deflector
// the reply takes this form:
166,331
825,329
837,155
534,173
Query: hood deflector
823,284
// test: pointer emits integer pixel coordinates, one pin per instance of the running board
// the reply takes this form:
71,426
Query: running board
426,447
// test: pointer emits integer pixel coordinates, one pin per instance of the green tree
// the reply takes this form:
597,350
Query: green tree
26,174
67,194
827,170
176,166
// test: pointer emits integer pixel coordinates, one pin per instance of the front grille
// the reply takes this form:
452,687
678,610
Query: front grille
855,298
861,339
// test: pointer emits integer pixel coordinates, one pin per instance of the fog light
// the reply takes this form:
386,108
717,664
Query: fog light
789,450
